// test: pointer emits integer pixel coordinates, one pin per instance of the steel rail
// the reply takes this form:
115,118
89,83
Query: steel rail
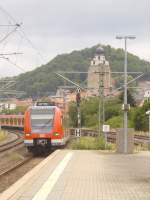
13,143
17,165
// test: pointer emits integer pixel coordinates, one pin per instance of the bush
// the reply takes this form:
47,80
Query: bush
115,122
90,143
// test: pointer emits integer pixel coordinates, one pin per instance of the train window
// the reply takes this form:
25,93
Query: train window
42,120
42,111
45,104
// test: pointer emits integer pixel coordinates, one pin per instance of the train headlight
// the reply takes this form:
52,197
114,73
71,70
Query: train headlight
56,134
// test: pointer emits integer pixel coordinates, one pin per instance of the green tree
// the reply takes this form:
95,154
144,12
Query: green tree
139,118
115,122
89,111
72,114
43,80
112,108
130,98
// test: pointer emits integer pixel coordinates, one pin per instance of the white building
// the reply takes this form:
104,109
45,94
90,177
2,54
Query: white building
7,106
147,94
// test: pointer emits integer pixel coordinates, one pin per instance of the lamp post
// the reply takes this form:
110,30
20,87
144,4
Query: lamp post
125,106
148,113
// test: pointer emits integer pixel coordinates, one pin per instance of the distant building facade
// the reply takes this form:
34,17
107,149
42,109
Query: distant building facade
12,104
7,106
99,73
144,92
147,94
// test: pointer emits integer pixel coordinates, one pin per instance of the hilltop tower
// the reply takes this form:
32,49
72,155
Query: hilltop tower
99,73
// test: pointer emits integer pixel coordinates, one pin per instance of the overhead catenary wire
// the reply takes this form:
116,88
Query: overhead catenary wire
2,55
8,14
7,25
32,45
9,54
80,72
68,80
18,48
23,35
10,33
10,61
6,41
121,87
16,25
8,85
11,29
22,31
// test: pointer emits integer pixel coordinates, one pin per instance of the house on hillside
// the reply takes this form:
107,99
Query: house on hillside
13,103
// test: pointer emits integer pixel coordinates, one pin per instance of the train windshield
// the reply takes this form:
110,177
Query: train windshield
42,120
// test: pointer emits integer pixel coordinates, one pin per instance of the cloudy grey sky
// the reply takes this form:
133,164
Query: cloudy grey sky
60,26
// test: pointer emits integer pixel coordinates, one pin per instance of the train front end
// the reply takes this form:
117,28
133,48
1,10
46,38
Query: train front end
43,127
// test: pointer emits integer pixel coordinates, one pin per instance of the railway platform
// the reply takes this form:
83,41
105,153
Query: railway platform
85,175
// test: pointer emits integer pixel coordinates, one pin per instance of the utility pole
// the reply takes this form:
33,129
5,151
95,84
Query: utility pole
125,106
148,113
99,110
78,100
101,99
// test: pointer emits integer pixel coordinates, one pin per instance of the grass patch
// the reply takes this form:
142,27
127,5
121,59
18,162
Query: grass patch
140,147
90,143
3,135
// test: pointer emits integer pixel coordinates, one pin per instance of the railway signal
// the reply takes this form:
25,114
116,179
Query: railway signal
78,100
78,90
78,97
78,132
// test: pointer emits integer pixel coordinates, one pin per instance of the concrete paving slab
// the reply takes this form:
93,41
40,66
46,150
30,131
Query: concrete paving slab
89,175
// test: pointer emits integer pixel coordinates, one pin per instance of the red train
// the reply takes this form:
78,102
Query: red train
15,121
44,127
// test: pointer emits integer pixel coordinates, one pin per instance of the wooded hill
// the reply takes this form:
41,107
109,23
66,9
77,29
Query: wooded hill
42,81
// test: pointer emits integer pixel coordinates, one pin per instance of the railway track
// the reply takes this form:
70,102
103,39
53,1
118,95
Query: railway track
13,143
15,166
16,171
111,137
138,139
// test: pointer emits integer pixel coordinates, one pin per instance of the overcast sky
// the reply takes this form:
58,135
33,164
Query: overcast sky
60,26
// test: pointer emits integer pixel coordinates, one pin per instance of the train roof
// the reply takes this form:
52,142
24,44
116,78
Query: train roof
42,107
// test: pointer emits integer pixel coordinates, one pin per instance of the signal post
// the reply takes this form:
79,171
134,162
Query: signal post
78,100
